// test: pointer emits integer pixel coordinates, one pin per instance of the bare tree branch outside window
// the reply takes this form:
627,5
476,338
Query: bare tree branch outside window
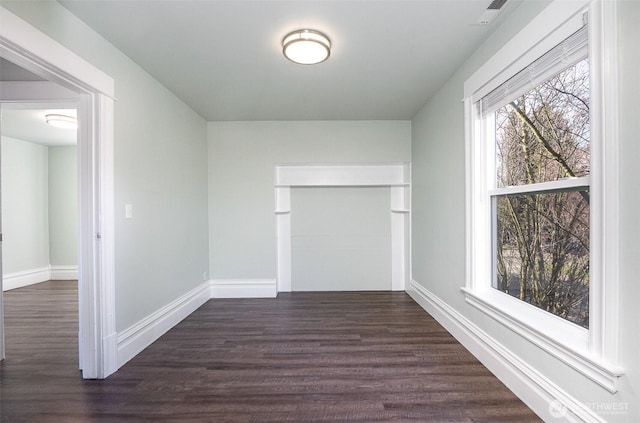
542,239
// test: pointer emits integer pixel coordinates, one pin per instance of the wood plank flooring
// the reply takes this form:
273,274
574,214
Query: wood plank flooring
303,357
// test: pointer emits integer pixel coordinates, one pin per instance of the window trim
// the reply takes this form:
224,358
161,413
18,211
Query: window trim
566,184
591,352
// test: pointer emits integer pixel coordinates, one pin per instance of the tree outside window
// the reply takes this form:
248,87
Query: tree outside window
542,234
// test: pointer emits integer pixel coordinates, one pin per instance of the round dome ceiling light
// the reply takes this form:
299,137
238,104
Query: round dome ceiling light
306,46
62,121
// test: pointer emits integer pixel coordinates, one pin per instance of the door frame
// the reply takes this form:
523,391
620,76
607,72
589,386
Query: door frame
31,49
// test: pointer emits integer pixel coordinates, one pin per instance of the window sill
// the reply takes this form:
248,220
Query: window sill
567,342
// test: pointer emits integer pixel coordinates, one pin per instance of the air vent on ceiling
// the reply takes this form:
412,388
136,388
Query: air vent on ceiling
493,10
496,4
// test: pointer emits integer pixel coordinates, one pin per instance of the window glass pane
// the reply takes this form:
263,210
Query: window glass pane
544,135
542,251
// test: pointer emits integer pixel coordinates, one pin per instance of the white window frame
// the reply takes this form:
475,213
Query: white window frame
594,351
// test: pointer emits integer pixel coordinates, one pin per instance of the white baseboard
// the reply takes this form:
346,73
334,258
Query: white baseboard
63,272
136,338
243,288
544,397
25,278
41,274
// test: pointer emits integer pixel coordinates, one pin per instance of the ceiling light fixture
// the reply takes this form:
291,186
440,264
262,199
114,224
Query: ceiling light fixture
62,121
306,46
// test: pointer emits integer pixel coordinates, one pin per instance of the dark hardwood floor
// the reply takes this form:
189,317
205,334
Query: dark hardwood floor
303,357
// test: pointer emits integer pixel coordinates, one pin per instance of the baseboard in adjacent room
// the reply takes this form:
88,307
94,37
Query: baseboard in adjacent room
244,288
42,274
25,278
63,272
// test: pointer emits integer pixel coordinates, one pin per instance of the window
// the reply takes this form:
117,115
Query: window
540,193
542,187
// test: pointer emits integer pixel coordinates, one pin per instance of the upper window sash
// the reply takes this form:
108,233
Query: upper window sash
487,125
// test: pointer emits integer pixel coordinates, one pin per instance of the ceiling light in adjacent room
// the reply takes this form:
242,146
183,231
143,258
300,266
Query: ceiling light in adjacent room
62,121
306,46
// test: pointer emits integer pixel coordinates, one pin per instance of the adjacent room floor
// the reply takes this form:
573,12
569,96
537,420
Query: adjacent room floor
302,357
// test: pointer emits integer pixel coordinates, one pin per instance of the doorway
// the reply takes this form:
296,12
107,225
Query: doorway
39,213
35,52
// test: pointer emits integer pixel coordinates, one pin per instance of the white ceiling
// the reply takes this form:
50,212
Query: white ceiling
27,122
223,58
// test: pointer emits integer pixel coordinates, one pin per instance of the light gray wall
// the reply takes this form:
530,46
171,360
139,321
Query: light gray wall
242,156
160,168
25,209
340,239
438,215
629,174
63,206
39,204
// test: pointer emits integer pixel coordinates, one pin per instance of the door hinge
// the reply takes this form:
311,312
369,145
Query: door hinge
98,235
